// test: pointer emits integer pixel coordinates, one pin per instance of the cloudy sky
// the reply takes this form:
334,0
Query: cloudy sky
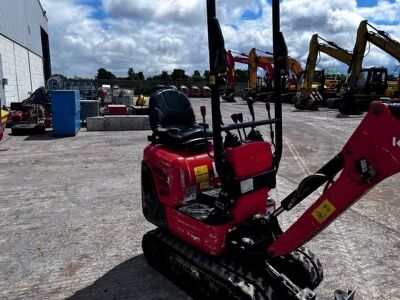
157,35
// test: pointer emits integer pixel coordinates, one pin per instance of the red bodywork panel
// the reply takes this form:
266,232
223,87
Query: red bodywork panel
180,176
210,239
17,116
376,140
117,109
250,159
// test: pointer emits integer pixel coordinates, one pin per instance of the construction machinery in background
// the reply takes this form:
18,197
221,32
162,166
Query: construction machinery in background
289,80
369,84
260,89
218,235
3,121
313,86
32,115
255,86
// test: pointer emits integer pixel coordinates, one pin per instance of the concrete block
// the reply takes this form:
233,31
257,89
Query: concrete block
118,123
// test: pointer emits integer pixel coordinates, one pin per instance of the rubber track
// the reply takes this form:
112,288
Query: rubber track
313,265
236,279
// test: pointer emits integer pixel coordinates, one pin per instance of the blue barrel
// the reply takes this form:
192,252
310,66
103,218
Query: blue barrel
66,112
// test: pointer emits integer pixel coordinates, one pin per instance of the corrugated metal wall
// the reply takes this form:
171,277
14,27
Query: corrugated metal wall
21,47
2,101
20,20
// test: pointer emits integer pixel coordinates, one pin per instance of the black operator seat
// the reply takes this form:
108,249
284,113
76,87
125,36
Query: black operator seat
172,119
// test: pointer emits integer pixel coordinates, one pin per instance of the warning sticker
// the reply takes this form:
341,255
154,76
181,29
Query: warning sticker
213,80
203,177
200,170
323,211
204,185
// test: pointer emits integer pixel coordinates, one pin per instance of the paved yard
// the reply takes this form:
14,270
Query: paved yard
71,221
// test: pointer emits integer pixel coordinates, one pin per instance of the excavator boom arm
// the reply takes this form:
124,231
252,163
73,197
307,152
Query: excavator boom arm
370,155
385,43
253,63
328,48
379,38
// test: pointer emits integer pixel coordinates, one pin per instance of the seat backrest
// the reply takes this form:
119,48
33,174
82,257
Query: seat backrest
170,108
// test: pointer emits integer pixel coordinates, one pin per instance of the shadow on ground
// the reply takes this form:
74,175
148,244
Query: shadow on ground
132,279
48,135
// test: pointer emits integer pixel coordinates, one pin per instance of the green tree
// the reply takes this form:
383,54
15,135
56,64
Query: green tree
196,76
131,74
206,75
104,74
242,75
165,76
178,74
140,76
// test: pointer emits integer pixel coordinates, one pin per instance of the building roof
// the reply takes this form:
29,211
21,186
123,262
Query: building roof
44,12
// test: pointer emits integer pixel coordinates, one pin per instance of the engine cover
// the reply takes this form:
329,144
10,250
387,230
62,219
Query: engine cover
179,175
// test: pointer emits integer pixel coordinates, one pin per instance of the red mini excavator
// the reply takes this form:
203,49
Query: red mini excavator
217,231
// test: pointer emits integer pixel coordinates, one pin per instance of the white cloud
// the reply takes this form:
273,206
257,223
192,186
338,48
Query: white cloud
387,11
161,11
167,34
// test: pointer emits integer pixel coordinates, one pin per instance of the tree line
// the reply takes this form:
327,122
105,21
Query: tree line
176,75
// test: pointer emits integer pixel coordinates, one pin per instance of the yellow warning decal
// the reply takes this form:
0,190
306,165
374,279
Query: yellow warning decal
203,177
200,170
323,211
213,80
204,184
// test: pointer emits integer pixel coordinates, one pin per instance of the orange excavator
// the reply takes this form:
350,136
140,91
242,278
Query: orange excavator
290,81
257,89
252,62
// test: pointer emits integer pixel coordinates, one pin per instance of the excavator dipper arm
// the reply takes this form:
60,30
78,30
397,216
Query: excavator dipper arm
370,155
377,37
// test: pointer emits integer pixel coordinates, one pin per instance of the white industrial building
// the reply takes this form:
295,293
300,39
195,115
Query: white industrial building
24,49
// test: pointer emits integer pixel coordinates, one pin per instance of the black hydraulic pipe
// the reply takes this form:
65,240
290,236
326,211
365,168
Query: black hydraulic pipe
266,52
215,106
327,172
250,124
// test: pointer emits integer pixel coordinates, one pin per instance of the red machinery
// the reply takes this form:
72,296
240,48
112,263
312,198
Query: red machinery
184,89
195,91
117,109
217,235
32,115
205,91
253,64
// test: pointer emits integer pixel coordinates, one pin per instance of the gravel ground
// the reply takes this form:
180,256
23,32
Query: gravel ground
71,221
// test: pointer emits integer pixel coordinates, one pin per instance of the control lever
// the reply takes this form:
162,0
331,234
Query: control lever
240,119
235,119
203,113
250,102
271,129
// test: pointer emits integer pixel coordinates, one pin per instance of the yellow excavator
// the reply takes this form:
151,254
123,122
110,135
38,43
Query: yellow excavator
366,85
312,82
